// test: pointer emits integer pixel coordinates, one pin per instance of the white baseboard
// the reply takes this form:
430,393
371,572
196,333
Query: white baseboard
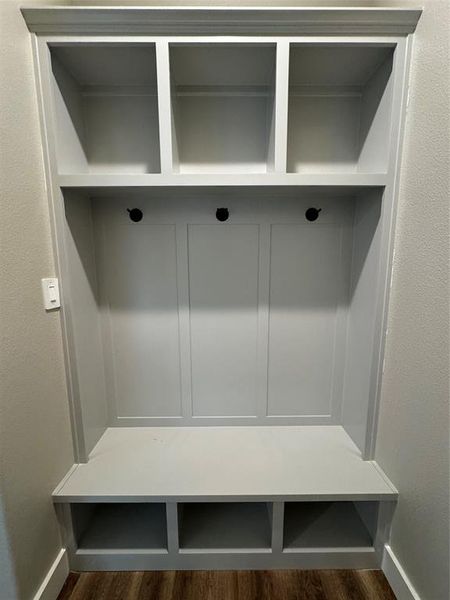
398,579
55,578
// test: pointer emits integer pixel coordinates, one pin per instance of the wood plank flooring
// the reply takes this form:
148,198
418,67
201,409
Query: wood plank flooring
227,585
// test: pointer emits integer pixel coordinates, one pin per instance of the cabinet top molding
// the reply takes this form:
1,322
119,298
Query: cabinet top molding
220,20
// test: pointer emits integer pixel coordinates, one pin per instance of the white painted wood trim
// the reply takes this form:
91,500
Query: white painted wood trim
281,106
396,576
164,105
309,466
391,193
315,558
55,578
92,180
221,20
41,60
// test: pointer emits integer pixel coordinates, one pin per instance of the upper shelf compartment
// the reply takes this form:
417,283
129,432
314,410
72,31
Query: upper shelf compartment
106,108
223,107
340,99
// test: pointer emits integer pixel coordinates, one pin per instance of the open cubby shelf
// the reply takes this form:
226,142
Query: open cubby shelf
326,525
224,114
340,98
224,526
223,107
106,108
114,526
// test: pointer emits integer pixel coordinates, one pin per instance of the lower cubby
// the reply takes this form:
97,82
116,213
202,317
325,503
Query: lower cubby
225,535
329,525
126,527
225,526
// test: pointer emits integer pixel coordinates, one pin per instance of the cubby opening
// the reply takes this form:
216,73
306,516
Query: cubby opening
228,526
120,526
223,107
329,525
340,98
106,108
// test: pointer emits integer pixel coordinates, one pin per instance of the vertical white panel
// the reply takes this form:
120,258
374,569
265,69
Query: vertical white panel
70,130
164,105
139,264
85,317
361,317
281,106
305,274
376,110
223,270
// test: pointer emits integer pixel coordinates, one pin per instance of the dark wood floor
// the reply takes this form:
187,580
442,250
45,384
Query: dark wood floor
228,585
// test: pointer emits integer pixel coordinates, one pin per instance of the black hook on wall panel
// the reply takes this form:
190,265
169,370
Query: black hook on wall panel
222,214
135,214
312,214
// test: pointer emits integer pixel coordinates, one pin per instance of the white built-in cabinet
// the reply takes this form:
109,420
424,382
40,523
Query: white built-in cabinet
222,187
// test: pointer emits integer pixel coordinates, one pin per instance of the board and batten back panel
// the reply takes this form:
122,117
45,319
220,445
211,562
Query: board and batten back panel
138,277
223,291
203,322
306,281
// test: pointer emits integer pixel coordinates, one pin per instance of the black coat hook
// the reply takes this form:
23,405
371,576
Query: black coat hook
222,214
312,214
135,214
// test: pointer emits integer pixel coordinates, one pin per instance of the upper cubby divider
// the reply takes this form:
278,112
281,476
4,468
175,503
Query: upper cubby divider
106,108
223,107
340,98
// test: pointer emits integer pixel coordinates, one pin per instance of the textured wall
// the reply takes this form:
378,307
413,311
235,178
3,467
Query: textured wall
35,441
413,433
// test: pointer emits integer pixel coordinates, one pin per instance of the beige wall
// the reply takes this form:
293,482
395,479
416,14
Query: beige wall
413,433
35,442
413,436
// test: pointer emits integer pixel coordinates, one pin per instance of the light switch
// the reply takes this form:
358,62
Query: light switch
50,291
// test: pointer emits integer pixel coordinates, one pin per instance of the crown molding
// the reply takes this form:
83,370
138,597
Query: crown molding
220,21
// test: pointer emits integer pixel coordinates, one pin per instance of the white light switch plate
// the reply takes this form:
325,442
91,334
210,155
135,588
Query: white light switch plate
50,291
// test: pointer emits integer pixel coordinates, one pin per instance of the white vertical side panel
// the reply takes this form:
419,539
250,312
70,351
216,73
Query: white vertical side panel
281,106
184,321
306,271
47,110
164,105
402,56
263,316
361,316
85,317
139,270
376,108
223,269
70,128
